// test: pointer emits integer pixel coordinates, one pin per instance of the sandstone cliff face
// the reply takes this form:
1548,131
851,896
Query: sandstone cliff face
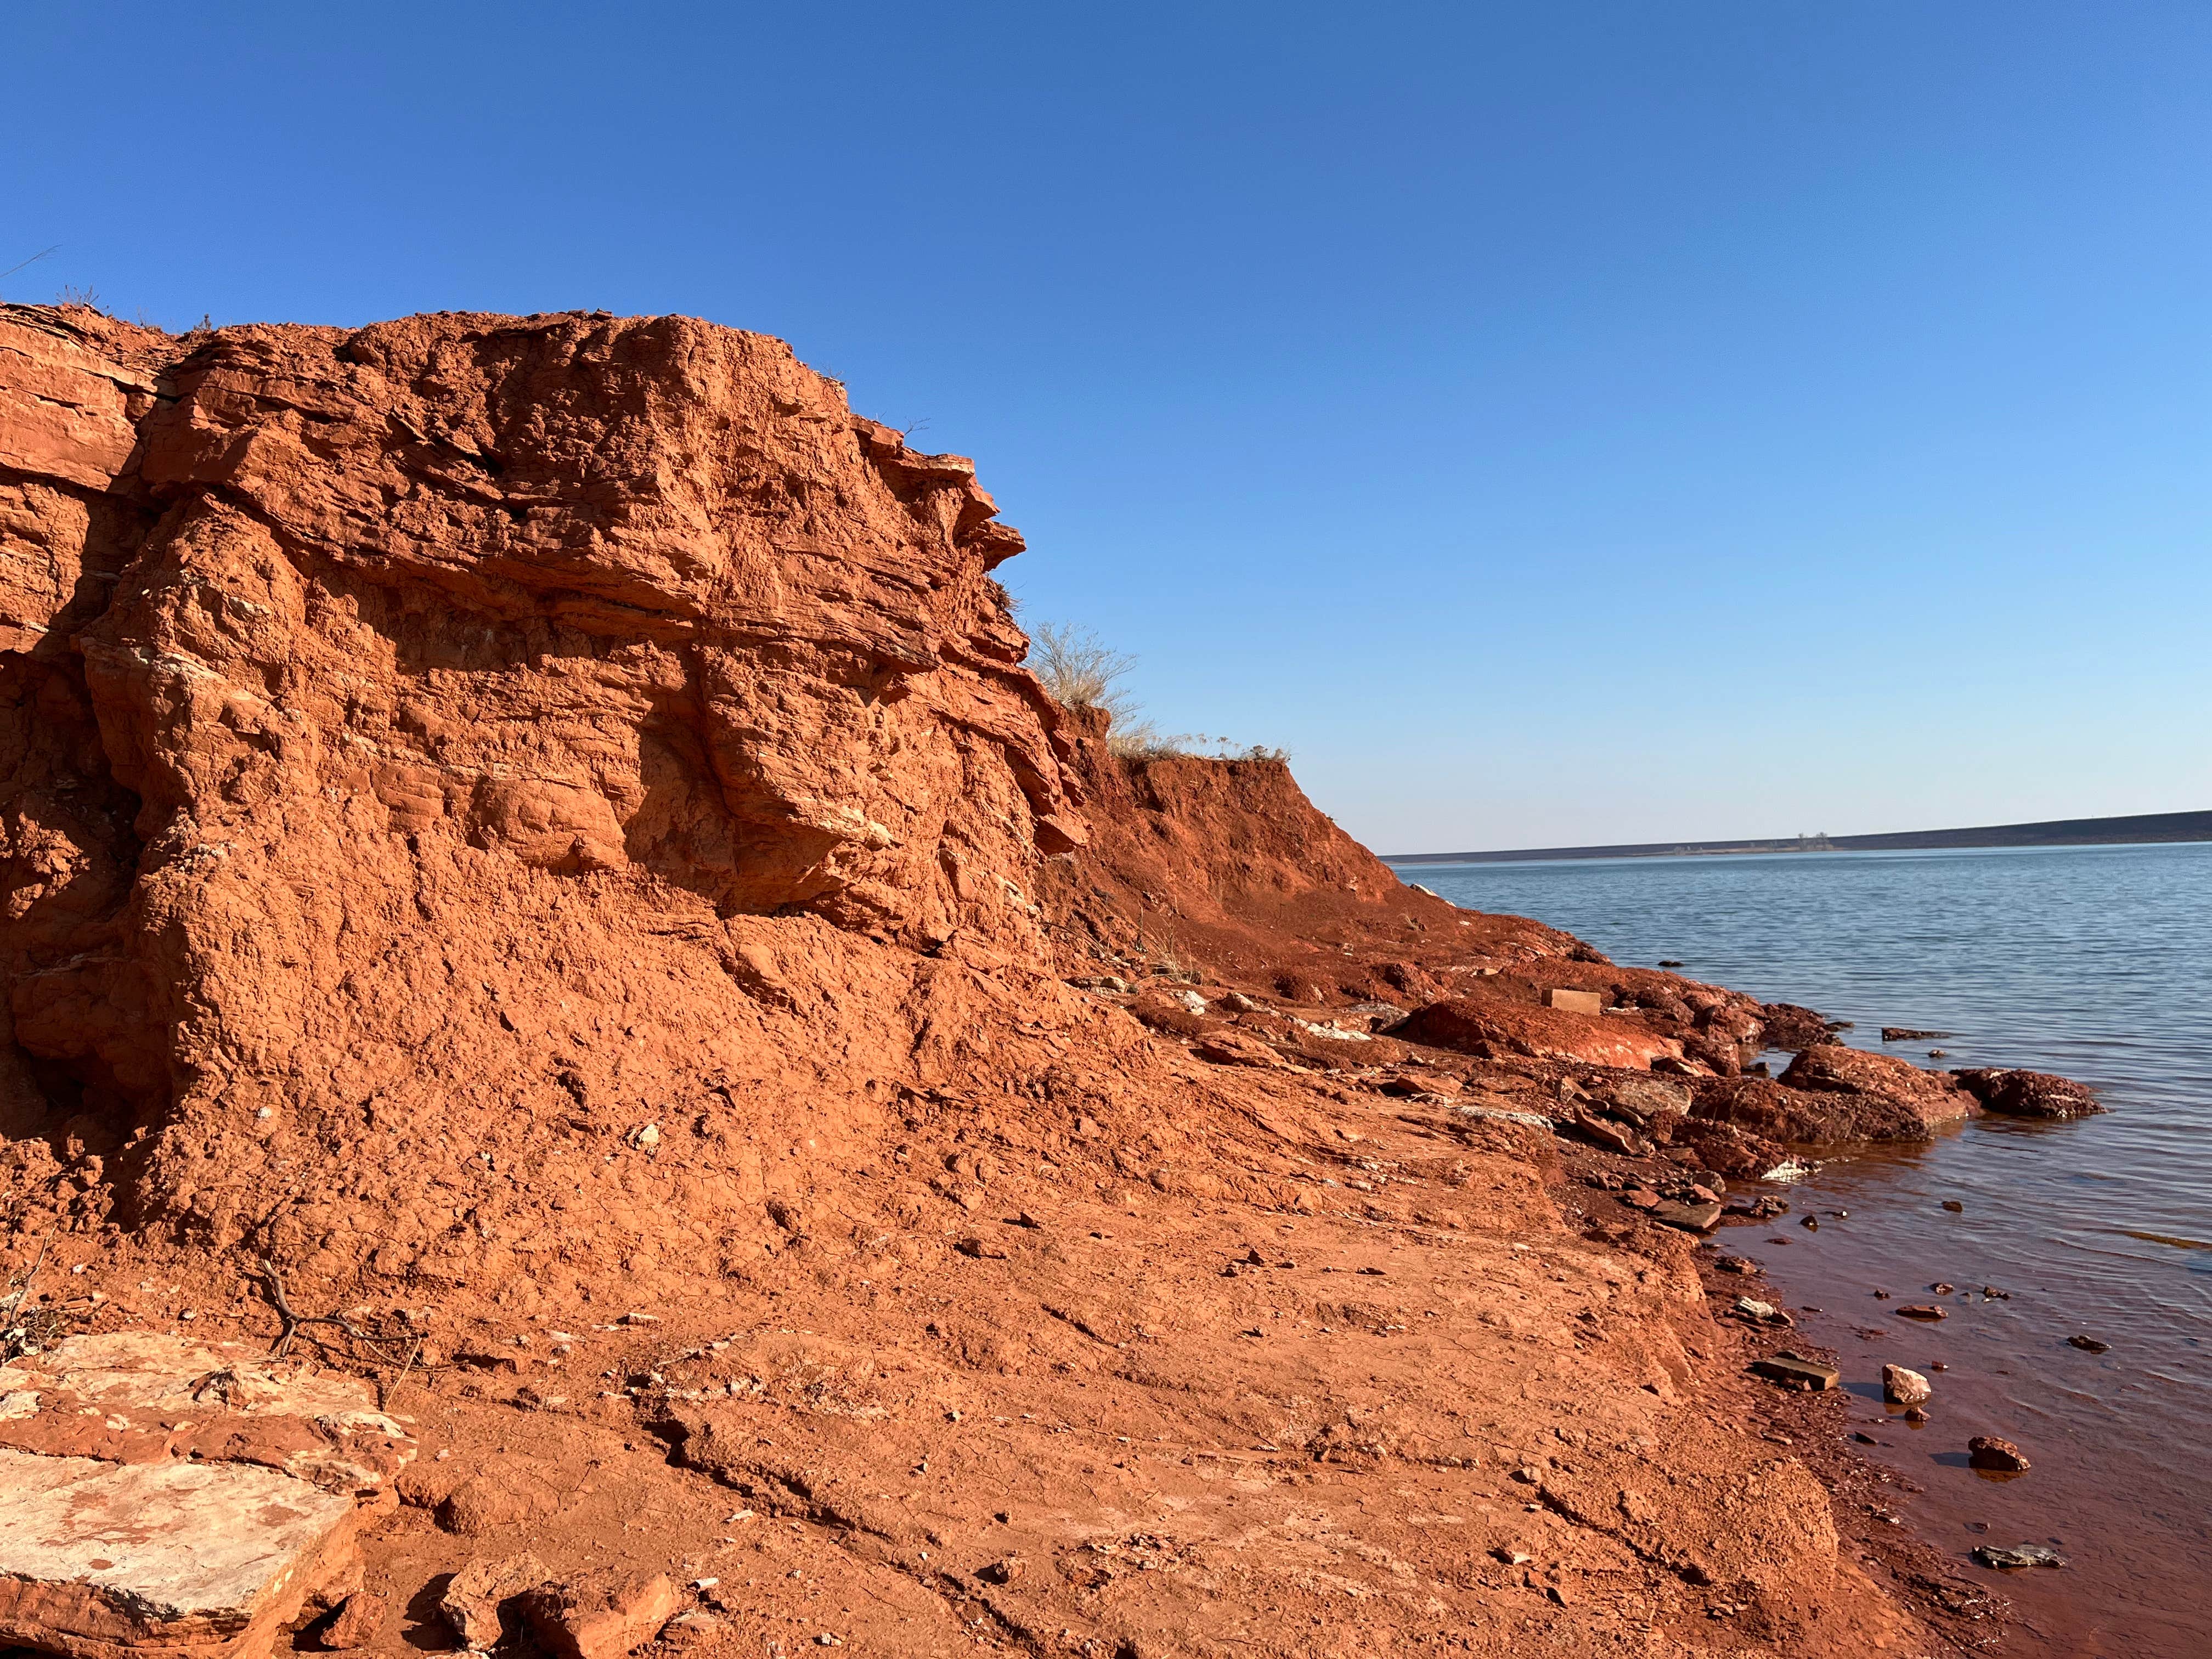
372,695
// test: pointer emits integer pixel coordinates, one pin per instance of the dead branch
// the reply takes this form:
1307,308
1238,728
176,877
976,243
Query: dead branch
15,1334
379,1350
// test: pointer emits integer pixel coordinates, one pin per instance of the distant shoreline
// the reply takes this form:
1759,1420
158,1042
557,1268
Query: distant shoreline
2142,828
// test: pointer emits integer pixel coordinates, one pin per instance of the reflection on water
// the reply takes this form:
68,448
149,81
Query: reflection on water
2092,962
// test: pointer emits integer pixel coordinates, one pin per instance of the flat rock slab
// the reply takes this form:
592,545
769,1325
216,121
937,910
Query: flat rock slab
100,1560
163,1495
1793,1372
146,1396
1695,1218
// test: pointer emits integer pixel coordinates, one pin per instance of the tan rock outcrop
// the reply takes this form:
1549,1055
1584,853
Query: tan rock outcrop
101,1560
159,1495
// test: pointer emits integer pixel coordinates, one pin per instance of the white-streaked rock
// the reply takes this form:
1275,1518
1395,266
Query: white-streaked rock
160,1495
132,1397
102,1560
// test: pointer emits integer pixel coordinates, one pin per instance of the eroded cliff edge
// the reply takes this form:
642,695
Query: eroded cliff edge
525,824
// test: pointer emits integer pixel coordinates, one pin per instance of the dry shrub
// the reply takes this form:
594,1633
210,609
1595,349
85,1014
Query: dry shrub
1081,672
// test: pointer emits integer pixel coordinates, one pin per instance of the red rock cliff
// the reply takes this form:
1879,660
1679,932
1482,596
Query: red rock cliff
375,694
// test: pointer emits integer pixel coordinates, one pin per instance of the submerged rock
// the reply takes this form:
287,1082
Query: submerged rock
2020,1555
2028,1094
1987,1451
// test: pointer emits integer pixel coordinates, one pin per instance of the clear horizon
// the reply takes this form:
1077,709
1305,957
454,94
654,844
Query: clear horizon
1569,426
1779,842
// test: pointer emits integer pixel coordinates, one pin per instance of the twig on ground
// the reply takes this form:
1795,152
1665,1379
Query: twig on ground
274,1285
387,1392
380,1351
15,1332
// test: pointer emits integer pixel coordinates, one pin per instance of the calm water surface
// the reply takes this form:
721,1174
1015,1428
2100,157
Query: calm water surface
2092,962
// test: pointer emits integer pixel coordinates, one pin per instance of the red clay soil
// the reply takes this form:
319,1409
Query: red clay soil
538,830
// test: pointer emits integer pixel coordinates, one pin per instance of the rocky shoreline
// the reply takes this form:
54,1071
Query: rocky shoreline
539,890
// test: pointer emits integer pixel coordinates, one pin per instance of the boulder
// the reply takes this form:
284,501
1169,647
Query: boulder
1167,1009
1726,1150
1489,1030
1932,1097
2027,1094
1794,1371
1765,1107
1785,1025
1576,1002
602,1615
475,1596
1406,1085
1814,1104
1696,1217
357,1623
1717,1055
1901,1387
1231,1046
1614,1137
1372,1016
1986,1451
1642,1094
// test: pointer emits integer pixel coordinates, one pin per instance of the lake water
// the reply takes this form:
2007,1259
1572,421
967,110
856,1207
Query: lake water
2095,962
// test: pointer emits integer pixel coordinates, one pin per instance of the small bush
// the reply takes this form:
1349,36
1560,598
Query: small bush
1081,672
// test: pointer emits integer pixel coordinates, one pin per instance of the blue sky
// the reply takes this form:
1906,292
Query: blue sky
1553,422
